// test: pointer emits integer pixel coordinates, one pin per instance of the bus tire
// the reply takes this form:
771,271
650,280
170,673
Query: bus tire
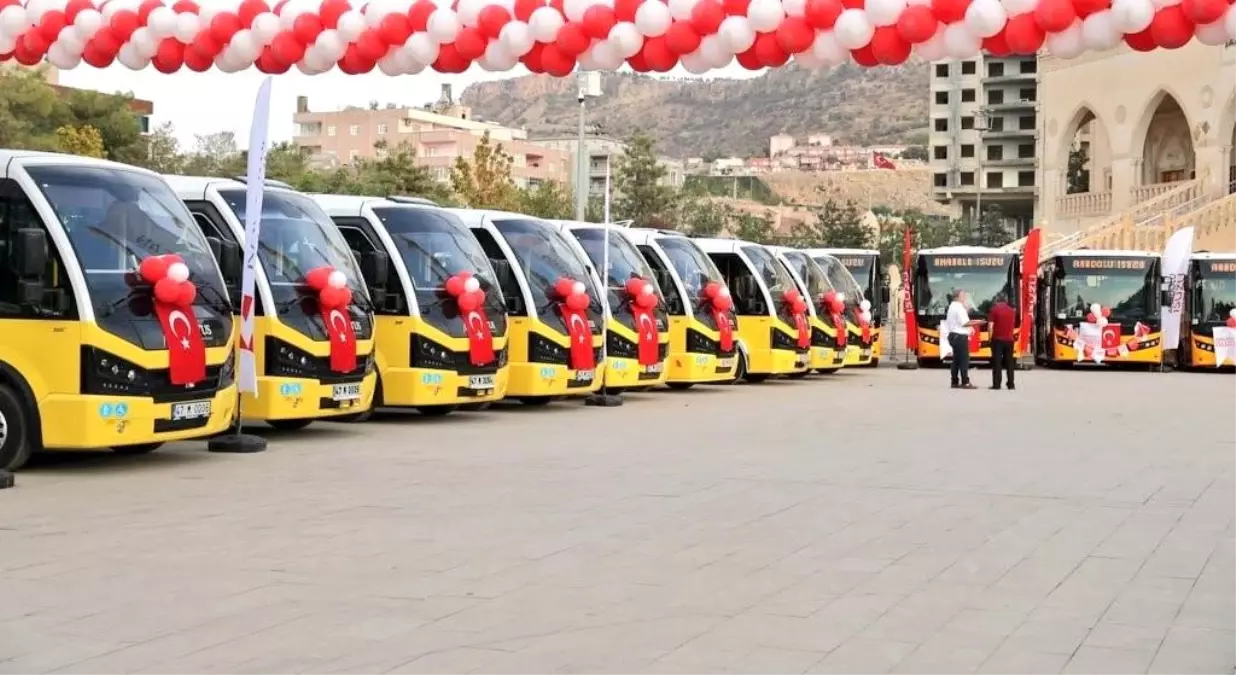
798,376
476,407
826,371
680,386
289,425
436,410
16,441
755,378
875,363
536,401
355,418
136,449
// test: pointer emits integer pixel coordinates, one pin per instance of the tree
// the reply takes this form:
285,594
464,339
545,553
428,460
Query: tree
926,232
215,154
918,152
26,103
548,200
163,151
84,141
395,172
703,217
991,229
836,225
32,112
757,228
485,181
1077,176
637,182
112,115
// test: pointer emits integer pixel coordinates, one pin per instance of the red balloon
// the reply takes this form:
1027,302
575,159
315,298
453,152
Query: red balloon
647,301
222,27
318,278
854,4
749,60
1203,12
1142,42
597,22
1023,34
572,40
557,62
525,8
370,47
563,287
124,22
578,301
468,302
865,57
268,62
72,9
795,35
331,10
887,46
638,63
148,6
1171,29
449,60
31,48
248,11
792,295
997,45
1085,8
1106,312
712,290
454,286
1091,318
187,7
152,269
96,56
491,20
916,24
658,54
198,61
949,11
723,303
204,45
333,298
532,60
1054,16
769,51
286,48
418,16
681,38
167,291
822,14
394,29
735,7
706,17
51,25
186,293
170,56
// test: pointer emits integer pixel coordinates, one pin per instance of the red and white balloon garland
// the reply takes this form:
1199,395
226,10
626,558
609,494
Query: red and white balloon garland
406,36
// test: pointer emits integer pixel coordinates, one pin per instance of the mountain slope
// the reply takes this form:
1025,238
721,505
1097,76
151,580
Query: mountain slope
701,117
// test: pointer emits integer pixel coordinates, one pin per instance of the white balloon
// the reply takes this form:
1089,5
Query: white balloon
933,49
695,63
985,18
59,56
205,14
712,49
606,55
853,29
329,44
578,288
1101,321
229,64
1132,16
265,28
574,9
87,23
626,39
351,25
337,279
161,22
797,8
765,15
1015,7
319,60
840,297
652,18
1164,4
178,272
35,9
243,46
1213,34
959,42
1232,312
422,48
187,27
736,34
808,60
13,21
1067,44
1229,22
468,11
443,25
131,57
865,316
377,10
515,37
69,41
472,285
1099,32
884,12
545,23
288,14
145,43
826,49
389,65
865,305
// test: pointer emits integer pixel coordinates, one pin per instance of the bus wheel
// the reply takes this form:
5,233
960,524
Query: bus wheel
289,425
826,371
754,378
437,410
875,363
798,376
139,449
536,401
477,407
355,417
680,386
15,445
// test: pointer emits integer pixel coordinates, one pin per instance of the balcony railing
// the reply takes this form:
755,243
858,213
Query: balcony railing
1014,78
1010,106
1084,204
1008,162
1008,134
1144,193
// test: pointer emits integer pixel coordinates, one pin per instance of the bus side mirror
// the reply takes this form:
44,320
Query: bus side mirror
375,268
227,255
28,256
506,280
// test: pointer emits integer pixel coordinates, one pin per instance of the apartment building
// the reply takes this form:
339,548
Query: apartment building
439,133
602,151
982,141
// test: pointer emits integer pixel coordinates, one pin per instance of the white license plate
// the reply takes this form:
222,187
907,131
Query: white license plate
190,411
655,368
346,392
480,381
585,375
726,363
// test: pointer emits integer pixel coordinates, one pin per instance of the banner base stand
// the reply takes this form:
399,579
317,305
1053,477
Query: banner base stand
604,400
237,443
908,365
6,480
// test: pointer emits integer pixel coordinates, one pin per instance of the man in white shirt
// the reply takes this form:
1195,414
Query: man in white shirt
956,329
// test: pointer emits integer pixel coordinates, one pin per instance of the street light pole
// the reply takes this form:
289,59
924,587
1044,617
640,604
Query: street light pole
581,155
980,124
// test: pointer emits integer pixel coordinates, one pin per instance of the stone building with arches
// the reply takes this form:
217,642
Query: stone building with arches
1120,128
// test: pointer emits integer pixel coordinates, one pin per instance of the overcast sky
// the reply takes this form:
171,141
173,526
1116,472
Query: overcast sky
203,103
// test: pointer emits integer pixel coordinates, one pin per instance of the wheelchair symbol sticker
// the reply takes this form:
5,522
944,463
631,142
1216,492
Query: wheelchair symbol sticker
121,409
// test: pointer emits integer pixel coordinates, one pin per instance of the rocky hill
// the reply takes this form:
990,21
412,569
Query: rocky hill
722,117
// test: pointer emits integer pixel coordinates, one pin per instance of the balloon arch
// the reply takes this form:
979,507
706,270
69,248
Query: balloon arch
556,36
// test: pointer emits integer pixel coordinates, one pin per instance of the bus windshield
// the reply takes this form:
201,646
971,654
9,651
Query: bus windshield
693,266
296,237
114,219
774,276
625,262
435,245
1125,292
1217,297
545,256
983,278
841,279
862,268
810,273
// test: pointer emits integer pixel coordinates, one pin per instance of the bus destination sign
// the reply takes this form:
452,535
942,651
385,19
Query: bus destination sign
1218,266
1107,264
968,261
854,263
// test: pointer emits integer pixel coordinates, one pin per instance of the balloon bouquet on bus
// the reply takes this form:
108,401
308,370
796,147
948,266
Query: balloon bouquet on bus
118,331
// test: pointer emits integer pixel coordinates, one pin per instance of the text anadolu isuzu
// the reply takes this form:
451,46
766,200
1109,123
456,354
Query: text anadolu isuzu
866,268
638,341
313,342
441,323
702,325
774,333
552,301
116,321
828,328
985,274
1099,307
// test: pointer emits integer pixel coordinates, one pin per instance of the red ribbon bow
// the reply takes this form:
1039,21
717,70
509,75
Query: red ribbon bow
470,299
1104,311
1231,322
334,296
835,308
720,302
173,305
798,308
643,299
573,304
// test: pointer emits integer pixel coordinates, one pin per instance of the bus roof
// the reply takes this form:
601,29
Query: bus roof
846,251
195,187
56,158
353,205
711,245
476,217
955,250
1101,253
1208,255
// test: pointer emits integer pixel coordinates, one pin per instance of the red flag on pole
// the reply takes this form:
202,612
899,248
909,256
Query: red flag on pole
907,299
1029,275
881,162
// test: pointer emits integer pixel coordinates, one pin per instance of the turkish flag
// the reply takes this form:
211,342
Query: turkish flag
839,327
1109,338
186,352
578,330
725,329
804,330
480,338
342,339
881,162
649,336
976,340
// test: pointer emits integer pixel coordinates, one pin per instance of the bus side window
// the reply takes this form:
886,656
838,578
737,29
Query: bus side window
511,294
360,243
748,298
204,216
58,303
673,300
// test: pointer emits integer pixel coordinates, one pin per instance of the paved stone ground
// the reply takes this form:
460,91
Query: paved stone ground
871,522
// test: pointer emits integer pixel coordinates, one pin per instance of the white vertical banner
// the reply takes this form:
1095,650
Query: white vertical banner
255,181
1175,268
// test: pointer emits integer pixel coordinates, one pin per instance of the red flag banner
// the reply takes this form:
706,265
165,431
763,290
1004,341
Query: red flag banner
881,162
907,298
1029,276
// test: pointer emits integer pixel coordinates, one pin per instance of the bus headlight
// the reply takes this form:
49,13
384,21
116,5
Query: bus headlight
426,353
284,360
109,375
